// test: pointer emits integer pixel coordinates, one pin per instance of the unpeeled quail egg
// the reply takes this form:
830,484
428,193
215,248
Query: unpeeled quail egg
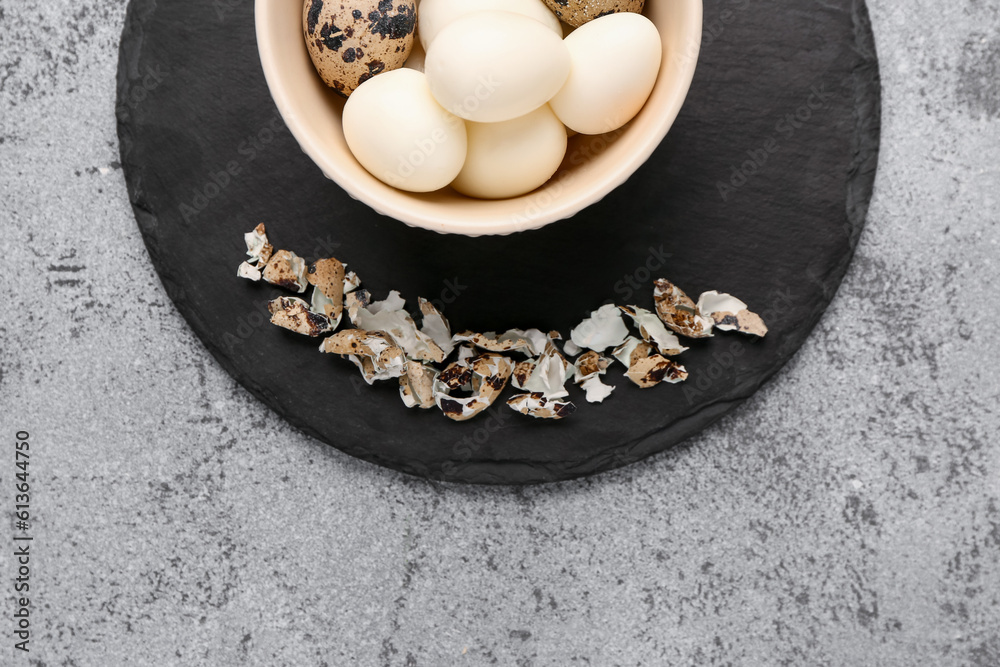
401,135
350,41
493,66
578,12
615,62
513,157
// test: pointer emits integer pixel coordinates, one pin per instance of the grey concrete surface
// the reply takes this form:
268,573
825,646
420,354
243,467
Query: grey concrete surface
848,515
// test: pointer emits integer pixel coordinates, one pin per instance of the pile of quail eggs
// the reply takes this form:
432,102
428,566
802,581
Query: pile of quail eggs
489,109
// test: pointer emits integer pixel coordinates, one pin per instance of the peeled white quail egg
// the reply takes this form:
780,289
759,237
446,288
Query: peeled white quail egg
615,62
513,157
434,15
493,66
401,135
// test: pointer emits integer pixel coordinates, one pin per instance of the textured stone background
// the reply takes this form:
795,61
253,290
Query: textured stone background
848,515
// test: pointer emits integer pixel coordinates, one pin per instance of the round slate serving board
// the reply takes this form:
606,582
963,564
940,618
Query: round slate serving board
760,190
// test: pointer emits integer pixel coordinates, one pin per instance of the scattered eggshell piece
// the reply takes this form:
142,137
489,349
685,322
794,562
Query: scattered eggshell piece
652,331
351,281
623,353
730,314
248,271
355,301
679,312
603,329
288,270
402,328
327,277
320,303
652,370
259,249
416,385
373,352
549,375
571,348
493,342
588,365
456,375
522,371
294,314
490,373
436,325
596,390
537,405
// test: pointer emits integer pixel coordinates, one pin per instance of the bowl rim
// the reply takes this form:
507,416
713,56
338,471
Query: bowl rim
368,194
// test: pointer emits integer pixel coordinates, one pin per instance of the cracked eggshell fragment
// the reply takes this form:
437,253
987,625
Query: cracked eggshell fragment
327,276
373,352
490,373
603,329
538,406
392,303
679,312
491,342
436,325
416,385
351,281
596,390
389,317
456,376
549,375
653,331
294,314
248,271
651,371
588,370
319,303
259,249
589,365
522,371
631,351
571,348
355,301
730,314
288,270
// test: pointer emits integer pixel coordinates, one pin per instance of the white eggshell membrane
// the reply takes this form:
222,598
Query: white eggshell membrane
434,15
513,157
615,61
494,66
401,135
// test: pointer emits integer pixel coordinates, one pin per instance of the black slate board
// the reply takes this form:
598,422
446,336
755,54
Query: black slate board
192,101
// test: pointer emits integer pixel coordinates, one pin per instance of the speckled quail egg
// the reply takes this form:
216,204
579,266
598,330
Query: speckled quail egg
350,41
578,12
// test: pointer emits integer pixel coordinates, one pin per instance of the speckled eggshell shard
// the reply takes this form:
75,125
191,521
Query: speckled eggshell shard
350,41
578,12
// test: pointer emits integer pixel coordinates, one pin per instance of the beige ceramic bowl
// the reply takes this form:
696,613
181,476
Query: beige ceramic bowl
594,165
